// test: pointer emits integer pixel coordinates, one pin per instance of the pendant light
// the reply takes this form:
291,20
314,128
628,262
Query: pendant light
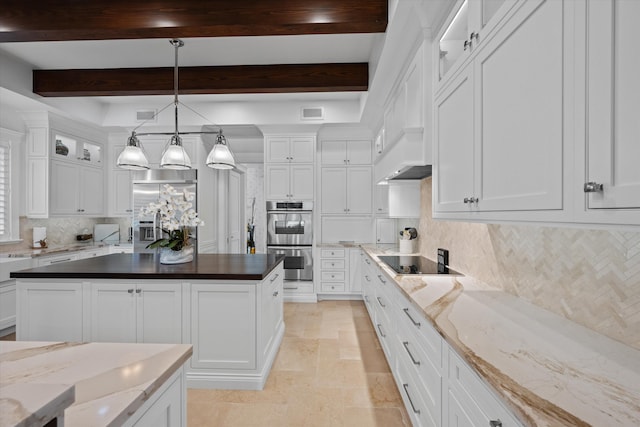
220,157
174,155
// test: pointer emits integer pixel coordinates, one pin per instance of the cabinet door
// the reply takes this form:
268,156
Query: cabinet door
333,152
50,312
159,313
381,196
613,147
223,326
334,190
121,193
301,149
454,160
359,197
518,84
278,150
113,312
359,152
7,304
65,188
355,271
386,230
277,182
301,182
92,191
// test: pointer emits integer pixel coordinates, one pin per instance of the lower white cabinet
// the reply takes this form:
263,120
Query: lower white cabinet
7,304
436,385
55,259
340,271
50,311
166,407
136,312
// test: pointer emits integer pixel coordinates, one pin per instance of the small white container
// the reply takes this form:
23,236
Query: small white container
407,246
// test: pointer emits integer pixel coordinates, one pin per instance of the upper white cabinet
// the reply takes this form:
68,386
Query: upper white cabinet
346,190
65,167
294,149
120,199
469,24
289,167
499,132
612,145
346,152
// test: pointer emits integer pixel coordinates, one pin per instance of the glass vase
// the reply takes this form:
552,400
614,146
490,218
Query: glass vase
169,256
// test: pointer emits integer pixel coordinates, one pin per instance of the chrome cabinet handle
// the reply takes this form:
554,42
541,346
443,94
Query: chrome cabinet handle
405,386
495,423
291,287
470,200
367,278
275,294
380,302
467,44
380,329
593,187
274,278
381,279
130,291
366,298
367,261
406,311
406,347
59,260
138,291
472,36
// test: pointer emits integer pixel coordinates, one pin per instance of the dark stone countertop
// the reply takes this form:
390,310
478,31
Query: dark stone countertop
147,266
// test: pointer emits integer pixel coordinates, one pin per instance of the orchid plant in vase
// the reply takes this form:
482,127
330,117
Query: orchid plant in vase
176,217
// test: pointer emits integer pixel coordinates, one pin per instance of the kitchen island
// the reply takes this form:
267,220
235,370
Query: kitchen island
92,384
228,306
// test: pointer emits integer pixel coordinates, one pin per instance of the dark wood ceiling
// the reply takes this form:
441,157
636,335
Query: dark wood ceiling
67,20
61,20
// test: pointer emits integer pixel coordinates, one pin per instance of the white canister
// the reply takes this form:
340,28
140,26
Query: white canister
407,246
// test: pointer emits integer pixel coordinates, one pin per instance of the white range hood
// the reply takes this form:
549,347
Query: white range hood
409,150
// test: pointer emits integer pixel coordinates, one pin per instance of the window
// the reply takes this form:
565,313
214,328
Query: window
5,196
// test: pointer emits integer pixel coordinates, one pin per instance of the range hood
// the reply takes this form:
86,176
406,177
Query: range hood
406,157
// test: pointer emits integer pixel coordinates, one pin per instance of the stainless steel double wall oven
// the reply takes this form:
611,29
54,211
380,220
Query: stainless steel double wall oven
290,232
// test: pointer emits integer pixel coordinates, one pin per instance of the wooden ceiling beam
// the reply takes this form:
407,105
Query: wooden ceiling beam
62,20
286,78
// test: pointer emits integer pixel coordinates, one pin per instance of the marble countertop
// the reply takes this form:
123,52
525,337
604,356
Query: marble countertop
99,384
53,250
548,370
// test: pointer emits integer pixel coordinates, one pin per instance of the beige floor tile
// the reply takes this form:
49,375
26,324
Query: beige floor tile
330,371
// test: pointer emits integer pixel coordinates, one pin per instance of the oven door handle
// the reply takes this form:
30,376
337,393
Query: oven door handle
305,247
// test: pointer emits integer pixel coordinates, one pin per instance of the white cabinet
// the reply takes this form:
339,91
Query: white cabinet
345,152
355,270
612,147
346,190
381,198
76,190
56,259
166,407
223,314
272,313
468,26
130,312
7,304
50,312
289,182
120,193
92,253
290,149
386,230
498,124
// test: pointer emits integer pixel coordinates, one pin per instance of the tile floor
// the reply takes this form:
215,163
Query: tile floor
330,371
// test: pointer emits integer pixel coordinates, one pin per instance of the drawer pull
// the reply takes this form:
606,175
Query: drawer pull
60,260
274,278
130,291
367,261
367,278
275,294
380,302
138,291
380,329
406,311
405,386
366,298
406,347
495,423
291,287
381,279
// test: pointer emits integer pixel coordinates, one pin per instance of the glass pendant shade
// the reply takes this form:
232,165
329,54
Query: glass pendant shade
133,156
175,156
220,157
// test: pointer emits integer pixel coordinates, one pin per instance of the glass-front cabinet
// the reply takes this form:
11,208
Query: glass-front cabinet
66,148
468,25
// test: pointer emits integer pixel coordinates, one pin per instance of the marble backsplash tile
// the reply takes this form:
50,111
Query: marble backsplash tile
591,277
62,231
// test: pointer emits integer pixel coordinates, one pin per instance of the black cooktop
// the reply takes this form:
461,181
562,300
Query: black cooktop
411,264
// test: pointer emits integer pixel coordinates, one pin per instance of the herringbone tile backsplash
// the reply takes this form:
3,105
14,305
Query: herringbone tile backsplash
589,276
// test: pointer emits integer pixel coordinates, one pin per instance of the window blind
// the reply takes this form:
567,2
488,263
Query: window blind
4,189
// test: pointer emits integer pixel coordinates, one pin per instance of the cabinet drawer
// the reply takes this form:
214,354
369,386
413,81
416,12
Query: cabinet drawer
332,276
332,253
425,335
291,288
330,264
417,405
332,286
475,397
56,259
